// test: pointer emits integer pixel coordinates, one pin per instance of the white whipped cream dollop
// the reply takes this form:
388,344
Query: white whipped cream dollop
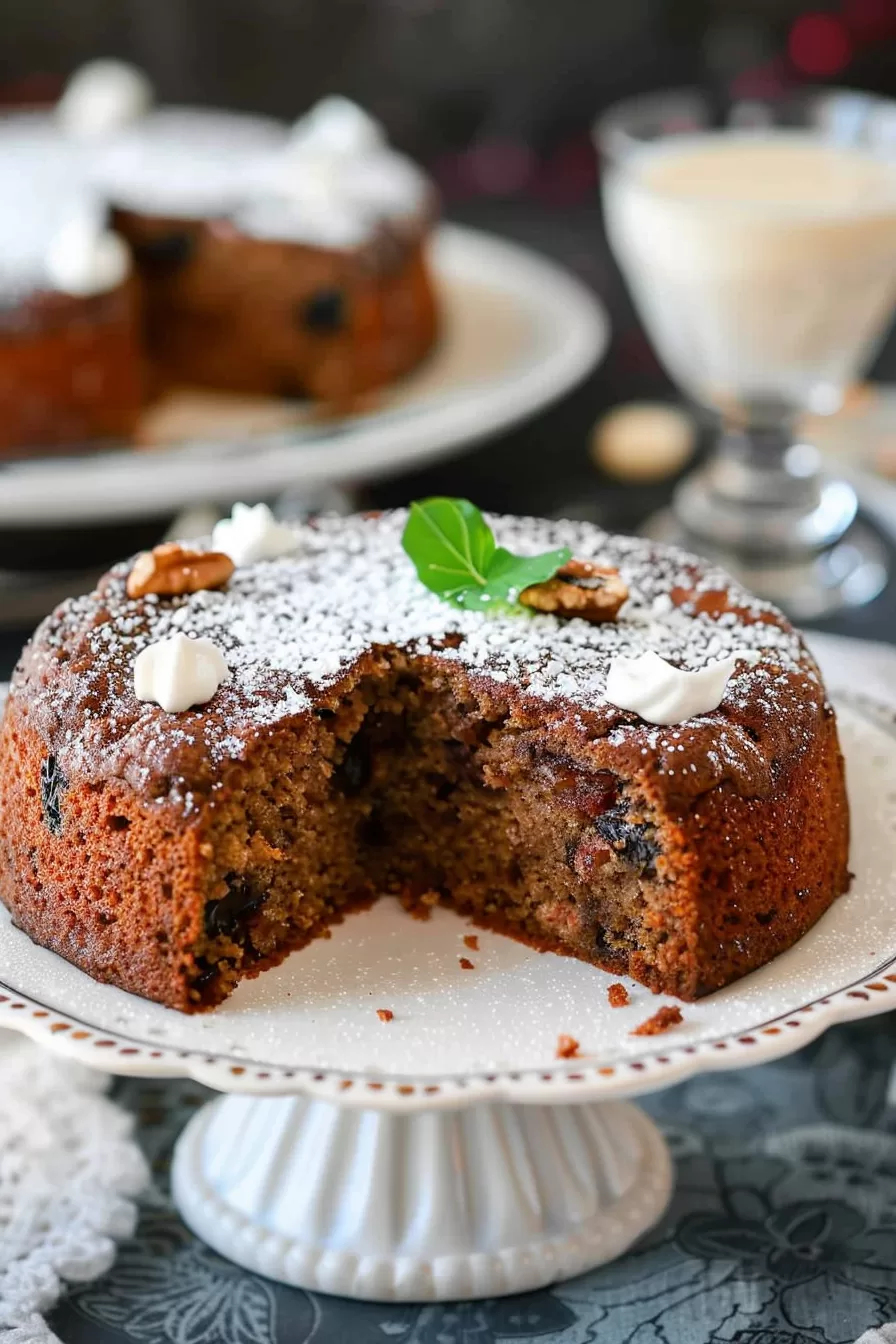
311,216
663,694
86,258
252,533
101,97
188,162
332,181
179,672
336,128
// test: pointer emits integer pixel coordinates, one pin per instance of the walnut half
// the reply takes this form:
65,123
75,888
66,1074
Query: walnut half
581,588
171,569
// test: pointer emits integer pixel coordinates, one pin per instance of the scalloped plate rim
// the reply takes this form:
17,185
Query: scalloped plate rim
578,1080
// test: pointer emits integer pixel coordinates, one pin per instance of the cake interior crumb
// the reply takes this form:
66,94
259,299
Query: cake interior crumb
617,996
385,1014
403,785
419,904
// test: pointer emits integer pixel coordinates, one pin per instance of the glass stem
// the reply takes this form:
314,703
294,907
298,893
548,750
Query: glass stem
762,494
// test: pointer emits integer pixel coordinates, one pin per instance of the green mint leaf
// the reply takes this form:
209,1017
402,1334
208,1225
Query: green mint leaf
450,544
509,574
453,550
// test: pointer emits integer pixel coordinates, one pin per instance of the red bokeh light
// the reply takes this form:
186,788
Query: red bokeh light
869,20
761,81
819,45
499,167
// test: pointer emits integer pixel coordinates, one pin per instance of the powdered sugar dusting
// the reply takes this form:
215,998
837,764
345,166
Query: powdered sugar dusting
291,627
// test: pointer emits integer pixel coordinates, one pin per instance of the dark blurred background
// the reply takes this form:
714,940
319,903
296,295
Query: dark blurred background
496,98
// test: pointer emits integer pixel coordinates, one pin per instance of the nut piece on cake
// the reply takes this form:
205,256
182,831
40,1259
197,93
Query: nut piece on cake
580,588
171,569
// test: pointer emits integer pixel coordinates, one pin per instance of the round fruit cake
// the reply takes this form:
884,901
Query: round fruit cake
144,249
333,730
287,266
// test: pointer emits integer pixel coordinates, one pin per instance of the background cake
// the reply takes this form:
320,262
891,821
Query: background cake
292,266
70,362
290,263
352,734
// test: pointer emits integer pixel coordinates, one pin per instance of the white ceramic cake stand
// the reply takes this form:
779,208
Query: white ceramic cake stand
448,1153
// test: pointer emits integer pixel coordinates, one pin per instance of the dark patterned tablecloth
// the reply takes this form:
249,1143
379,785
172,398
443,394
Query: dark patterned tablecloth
782,1230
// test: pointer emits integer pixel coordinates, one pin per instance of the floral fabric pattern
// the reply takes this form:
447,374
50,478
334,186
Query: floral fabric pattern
782,1230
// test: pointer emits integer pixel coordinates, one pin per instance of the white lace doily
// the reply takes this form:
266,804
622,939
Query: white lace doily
69,1169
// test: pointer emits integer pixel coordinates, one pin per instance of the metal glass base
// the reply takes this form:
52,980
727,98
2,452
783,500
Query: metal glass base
806,585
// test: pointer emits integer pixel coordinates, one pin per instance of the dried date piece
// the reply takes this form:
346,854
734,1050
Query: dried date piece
587,856
633,841
580,588
324,312
229,917
53,785
166,251
171,569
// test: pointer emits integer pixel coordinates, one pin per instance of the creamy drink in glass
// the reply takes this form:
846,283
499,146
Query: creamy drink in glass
759,246
763,262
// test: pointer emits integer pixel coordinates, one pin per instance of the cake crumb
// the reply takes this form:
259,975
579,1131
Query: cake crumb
618,996
567,1047
385,1014
664,1018
419,904
466,964
471,941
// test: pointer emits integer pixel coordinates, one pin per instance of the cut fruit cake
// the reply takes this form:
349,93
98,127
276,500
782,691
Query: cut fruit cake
609,750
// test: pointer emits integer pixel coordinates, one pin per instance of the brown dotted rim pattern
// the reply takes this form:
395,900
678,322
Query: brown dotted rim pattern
670,1063
585,1080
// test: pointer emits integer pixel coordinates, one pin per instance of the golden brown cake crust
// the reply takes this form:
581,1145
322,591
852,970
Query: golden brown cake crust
158,851
226,310
72,370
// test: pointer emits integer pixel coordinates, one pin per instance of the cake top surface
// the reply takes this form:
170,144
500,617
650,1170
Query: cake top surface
330,181
187,162
333,204
290,629
334,182
42,186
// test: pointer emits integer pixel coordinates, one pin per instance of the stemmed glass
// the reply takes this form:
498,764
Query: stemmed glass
758,241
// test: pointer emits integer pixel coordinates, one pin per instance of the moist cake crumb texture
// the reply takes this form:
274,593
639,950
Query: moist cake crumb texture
670,1015
370,738
617,996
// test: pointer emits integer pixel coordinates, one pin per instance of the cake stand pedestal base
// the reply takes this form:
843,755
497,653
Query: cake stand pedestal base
429,1206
